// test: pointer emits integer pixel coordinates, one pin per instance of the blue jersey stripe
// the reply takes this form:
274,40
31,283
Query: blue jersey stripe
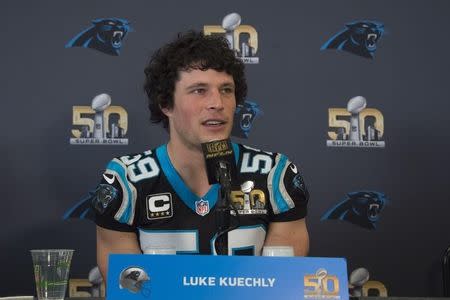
279,199
121,171
177,183
236,152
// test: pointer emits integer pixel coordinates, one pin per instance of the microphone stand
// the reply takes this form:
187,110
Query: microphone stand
223,209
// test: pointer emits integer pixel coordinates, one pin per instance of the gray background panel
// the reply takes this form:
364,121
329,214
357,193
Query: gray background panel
295,84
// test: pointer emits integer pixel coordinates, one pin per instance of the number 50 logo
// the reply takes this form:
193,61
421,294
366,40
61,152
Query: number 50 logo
104,127
321,284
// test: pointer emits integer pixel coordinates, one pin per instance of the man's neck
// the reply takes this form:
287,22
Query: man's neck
190,164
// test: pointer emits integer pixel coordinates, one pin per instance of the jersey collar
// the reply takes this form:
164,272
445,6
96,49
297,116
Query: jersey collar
177,183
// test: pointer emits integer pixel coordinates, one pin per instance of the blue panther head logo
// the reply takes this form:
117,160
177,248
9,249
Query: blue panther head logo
359,37
244,116
98,199
361,208
104,35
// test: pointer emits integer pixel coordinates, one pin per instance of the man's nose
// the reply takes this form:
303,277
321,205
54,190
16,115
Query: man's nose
215,100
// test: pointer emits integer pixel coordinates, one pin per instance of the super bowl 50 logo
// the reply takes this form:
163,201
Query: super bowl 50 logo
243,39
249,201
100,123
321,285
356,125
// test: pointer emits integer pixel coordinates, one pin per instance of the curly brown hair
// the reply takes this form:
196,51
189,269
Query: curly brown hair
190,50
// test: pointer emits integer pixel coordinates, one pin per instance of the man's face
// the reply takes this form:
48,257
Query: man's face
203,107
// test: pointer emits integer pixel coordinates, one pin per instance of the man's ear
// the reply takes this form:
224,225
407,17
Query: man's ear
166,111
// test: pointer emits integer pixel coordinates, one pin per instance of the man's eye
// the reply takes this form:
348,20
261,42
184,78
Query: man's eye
227,90
199,91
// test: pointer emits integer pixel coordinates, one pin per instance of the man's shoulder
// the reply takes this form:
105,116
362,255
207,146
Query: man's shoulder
255,150
133,158
258,160
136,167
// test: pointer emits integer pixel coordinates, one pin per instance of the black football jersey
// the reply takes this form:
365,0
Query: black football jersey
143,193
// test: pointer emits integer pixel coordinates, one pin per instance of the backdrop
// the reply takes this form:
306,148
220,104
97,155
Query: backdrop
376,166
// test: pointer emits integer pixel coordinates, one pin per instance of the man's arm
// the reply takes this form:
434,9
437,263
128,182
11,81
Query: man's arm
111,241
292,233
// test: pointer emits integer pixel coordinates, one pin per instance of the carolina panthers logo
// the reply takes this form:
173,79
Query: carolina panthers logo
98,200
244,116
361,208
298,182
134,275
358,37
105,35
104,195
135,280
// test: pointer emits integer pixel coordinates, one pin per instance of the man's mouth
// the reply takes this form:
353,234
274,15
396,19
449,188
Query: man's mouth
213,122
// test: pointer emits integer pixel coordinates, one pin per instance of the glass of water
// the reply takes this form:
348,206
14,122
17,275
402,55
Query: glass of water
51,272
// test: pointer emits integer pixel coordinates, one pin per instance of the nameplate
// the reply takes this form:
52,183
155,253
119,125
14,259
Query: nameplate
139,276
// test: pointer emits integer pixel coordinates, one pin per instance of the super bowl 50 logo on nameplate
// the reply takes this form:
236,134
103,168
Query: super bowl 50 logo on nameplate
243,39
355,126
99,124
321,285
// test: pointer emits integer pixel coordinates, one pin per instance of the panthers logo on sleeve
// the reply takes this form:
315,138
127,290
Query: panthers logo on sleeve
358,37
105,35
299,184
295,184
99,200
104,195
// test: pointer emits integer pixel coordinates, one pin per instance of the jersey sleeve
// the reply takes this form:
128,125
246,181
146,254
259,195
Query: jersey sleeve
288,193
114,201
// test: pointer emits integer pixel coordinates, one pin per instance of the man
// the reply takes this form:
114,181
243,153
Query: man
162,197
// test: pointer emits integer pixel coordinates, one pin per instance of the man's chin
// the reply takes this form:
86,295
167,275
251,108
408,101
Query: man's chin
215,137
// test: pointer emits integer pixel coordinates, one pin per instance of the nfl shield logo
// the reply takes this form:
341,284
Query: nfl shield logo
202,207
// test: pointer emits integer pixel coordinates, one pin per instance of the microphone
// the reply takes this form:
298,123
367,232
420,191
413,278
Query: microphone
357,279
220,162
221,168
